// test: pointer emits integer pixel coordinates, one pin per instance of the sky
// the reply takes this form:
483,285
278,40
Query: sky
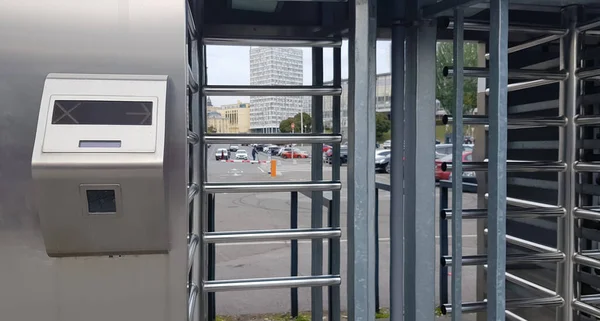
229,65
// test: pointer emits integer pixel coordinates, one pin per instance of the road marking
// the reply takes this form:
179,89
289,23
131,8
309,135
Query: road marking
384,240
262,170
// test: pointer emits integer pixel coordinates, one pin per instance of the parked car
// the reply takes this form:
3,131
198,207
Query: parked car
445,175
233,148
241,154
382,158
387,144
442,150
326,148
294,152
343,155
222,154
273,150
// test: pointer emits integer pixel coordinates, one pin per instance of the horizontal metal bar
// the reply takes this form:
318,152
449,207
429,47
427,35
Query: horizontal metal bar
587,73
445,7
272,187
193,190
192,83
527,244
579,258
531,43
590,167
525,203
512,121
528,284
273,138
481,306
526,85
223,90
272,235
510,316
512,74
513,166
193,240
588,25
383,186
586,214
333,43
586,120
590,298
468,260
476,26
271,283
481,213
192,137
191,25
586,308
193,289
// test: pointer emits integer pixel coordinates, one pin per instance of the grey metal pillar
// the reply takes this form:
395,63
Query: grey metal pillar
419,276
497,113
317,174
361,165
397,168
566,226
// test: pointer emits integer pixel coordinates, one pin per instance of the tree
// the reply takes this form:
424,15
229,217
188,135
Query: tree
285,126
382,126
444,84
212,129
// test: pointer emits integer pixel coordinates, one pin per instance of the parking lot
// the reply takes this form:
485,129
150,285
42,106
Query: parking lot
272,211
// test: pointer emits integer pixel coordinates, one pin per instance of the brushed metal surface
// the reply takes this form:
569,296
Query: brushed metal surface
82,36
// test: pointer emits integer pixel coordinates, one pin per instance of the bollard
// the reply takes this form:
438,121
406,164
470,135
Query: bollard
273,168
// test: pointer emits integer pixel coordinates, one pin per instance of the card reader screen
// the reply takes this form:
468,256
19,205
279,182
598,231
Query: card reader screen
101,201
100,143
101,112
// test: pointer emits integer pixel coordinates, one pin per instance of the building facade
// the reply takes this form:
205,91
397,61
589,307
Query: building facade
271,66
232,118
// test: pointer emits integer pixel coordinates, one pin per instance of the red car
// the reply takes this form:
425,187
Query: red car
441,175
326,148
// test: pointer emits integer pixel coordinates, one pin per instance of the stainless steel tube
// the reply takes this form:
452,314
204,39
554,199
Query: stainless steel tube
590,167
192,82
586,260
528,284
586,214
223,90
191,24
513,317
192,137
526,85
334,43
475,26
482,213
272,235
273,138
445,7
271,283
512,121
590,298
481,306
525,203
193,189
510,259
512,74
587,120
588,73
531,43
527,244
275,187
193,289
193,240
586,308
588,25
513,166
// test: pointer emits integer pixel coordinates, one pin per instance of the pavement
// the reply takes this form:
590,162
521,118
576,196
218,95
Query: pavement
272,211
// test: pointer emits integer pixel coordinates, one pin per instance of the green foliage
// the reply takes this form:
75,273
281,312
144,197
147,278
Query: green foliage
212,129
445,86
382,126
285,126
382,314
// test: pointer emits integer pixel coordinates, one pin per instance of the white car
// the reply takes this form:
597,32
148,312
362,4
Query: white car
241,154
222,154
387,144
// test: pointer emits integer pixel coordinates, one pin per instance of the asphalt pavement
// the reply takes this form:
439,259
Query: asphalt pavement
236,212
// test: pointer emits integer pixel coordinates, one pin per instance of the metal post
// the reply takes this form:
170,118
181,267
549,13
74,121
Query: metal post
497,113
443,245
317,174
334,210
419,276
397,168
361,164
377,307
212,303
566,230
294,254
457,170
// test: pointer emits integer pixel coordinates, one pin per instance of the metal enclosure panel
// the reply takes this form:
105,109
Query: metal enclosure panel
82,36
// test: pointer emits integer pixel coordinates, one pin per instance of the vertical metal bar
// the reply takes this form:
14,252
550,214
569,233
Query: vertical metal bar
397,167
317,174
497,159
361,165
457,171
294,252
195,119
203,172
377,250
566,226
212,263
443,246
420,216
334,295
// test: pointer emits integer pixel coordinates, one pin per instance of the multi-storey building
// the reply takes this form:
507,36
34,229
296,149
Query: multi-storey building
232,118
270,66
